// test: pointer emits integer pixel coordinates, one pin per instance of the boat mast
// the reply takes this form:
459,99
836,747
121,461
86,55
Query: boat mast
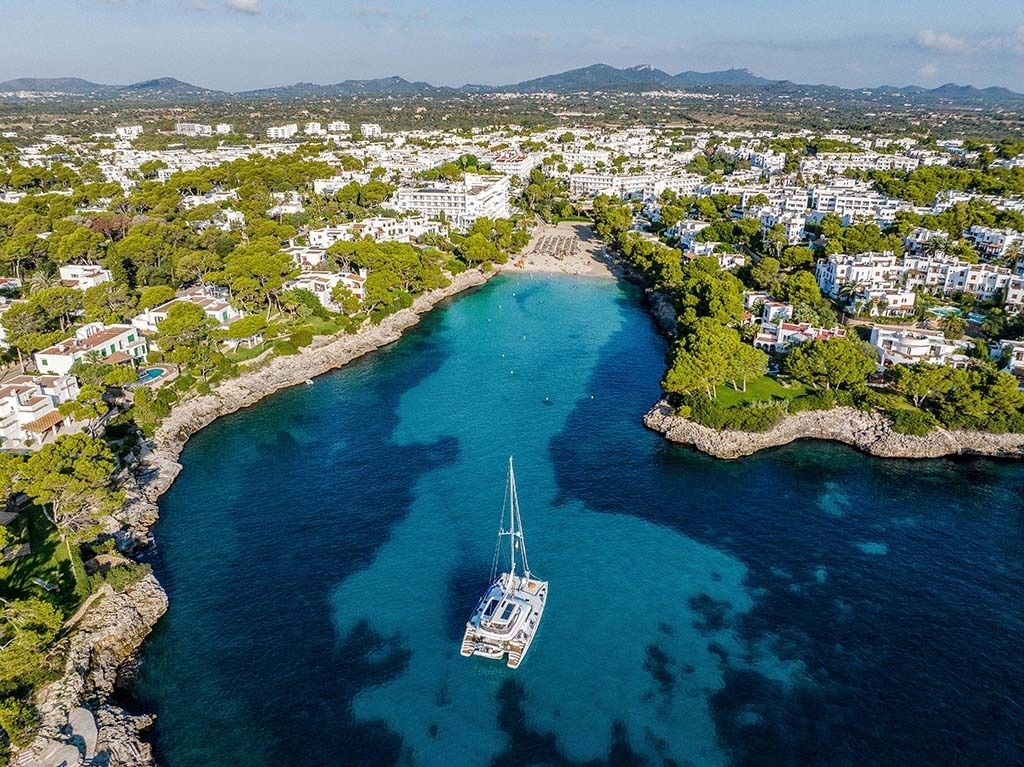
513,507
516,523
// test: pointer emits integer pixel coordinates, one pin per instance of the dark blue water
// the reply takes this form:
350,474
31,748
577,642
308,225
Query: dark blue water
808,605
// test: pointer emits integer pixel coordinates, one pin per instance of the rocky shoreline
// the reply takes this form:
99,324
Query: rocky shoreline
870,433
78,719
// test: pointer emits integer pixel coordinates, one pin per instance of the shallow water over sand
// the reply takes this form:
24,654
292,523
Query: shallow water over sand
323,549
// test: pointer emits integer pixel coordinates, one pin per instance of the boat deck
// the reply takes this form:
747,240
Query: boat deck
506,619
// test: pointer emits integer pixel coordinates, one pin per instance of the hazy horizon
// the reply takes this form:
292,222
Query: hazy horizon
235,45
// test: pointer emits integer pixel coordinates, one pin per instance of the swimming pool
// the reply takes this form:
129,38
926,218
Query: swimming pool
149,375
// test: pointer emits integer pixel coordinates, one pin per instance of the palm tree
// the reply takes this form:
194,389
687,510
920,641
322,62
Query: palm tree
40,280
952,325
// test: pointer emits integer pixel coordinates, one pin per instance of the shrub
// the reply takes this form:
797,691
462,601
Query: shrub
823,400
18,720
284,348
915,423
301,337
120,578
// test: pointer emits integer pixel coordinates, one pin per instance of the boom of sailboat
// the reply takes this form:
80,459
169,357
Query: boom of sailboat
506,620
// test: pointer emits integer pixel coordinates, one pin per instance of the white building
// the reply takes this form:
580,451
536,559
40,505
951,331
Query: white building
322,285
128,132
338,126
945,275
862,269
282,132
371,130
909,345
780,337
995,243
193,129
222,129
1014,301
82,276
28,409
112,344
462,202
216,308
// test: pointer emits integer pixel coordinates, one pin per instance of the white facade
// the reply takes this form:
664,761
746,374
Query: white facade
216,308
112,343
82,276
909,345
282,132
371,130
28,409
128,132
462,202
193,129
222,129
338,126
322,285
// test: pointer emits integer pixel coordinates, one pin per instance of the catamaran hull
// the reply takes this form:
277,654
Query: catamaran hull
479,641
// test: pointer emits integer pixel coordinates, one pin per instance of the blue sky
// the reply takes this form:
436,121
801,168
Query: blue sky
241,44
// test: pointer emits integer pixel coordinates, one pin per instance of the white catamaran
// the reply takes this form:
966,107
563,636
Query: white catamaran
507,617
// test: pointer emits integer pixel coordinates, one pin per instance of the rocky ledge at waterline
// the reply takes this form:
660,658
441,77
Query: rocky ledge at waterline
868,432
108,634
77,719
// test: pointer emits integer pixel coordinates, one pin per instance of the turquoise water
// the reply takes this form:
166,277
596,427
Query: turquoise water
151,374
323,550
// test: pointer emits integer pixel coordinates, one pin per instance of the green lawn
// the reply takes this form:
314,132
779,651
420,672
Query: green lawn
48,561
765,388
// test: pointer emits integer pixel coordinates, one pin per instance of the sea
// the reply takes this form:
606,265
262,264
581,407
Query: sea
808,605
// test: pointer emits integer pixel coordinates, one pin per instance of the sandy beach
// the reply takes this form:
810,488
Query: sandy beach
570,247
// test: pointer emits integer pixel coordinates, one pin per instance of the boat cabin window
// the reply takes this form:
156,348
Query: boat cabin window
489,611
508,612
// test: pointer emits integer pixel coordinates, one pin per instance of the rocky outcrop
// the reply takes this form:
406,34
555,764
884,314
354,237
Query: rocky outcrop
107,635
868,432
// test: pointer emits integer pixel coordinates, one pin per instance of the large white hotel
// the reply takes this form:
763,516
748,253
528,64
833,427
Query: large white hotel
462,202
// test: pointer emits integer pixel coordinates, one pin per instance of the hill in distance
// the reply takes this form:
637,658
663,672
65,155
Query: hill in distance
597,77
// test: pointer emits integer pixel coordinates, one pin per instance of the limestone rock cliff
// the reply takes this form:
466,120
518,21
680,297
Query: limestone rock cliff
868,432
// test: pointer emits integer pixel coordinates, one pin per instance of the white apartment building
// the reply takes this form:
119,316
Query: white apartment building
1014,301
322,285
462,202
215,307
1016,354
917,242
314,129
514,163
780,337
793,224
282,132
861,269
222,129
905,346
371,130
686,230
634,185
128,132
380,228
338,126
28,409
193,129
83,276
995,243
945,275
836,163
112,344
854,203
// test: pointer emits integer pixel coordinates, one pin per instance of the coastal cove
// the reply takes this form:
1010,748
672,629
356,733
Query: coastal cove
321,550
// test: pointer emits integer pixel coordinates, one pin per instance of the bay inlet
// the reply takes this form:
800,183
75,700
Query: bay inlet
322,549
